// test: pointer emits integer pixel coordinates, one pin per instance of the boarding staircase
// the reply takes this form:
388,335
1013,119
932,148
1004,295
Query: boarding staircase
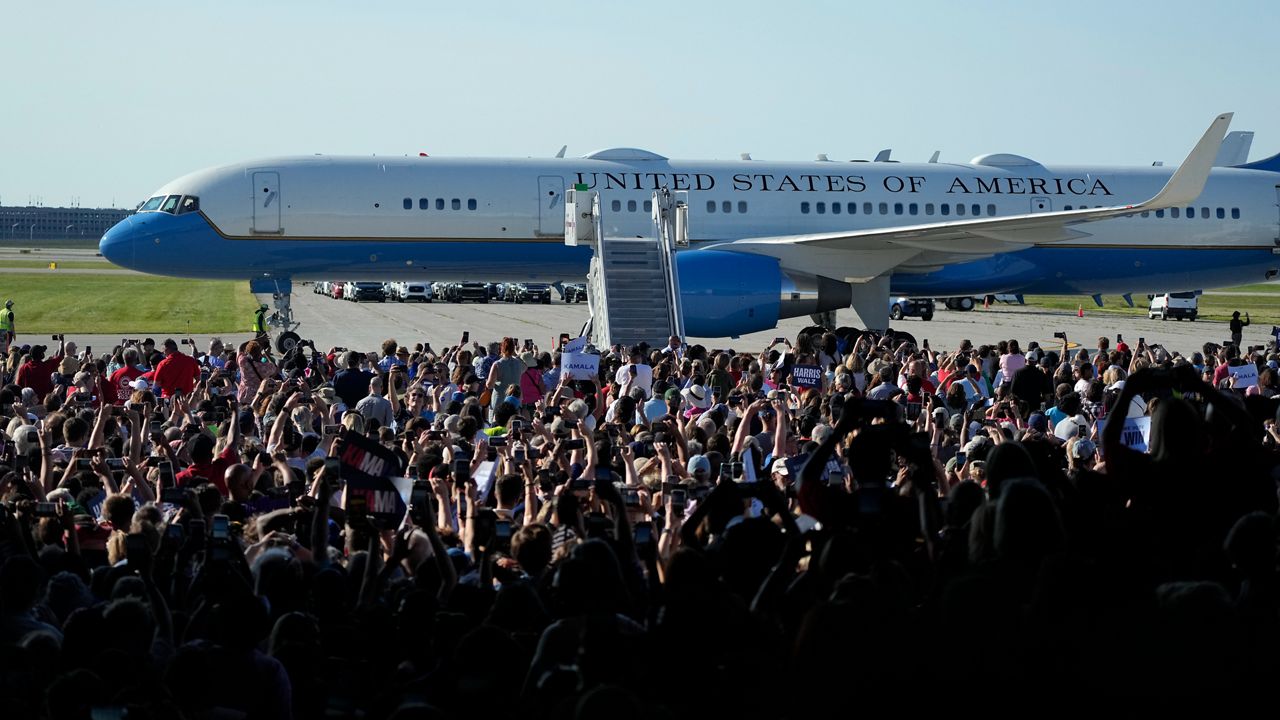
633,289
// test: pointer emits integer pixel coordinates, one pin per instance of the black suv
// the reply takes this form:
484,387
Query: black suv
473,291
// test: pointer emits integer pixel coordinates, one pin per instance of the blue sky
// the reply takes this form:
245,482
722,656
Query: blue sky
105,101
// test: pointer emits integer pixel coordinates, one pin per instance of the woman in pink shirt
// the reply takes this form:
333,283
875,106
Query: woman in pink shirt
254,368
1012,361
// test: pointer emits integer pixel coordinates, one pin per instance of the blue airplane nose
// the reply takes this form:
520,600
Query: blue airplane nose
117,244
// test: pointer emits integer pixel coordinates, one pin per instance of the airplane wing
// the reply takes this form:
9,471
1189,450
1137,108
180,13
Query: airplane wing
965,239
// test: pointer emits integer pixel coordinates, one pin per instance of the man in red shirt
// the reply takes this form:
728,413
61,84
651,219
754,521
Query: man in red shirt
177,372
37,372
205,465
122,379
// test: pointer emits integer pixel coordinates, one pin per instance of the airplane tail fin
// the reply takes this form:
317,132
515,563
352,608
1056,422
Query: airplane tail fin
1271,164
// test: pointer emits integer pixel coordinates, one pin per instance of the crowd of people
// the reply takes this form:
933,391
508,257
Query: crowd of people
840,520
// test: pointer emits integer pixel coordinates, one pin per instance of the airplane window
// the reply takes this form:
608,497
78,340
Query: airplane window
960,209
456,204
648,206
726,207
866,208
991,210
884,208
170,204
190,203
1204,213
976,210
945,208
1146,213
897,208
1160,213
928,208
617,206
913,208
1191,213
835,208
408,203
1221,213
1066,207
152,204
1173,212
631,206
742,206
439,203
804,208
822,208
424,204
853,208
1235,213
471,204
711,206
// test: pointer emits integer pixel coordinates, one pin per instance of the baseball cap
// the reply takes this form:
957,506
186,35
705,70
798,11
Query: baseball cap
1083,449
699,463
1038,422
780,466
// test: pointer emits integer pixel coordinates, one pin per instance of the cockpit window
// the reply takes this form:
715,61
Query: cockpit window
152,204
170,204
189,204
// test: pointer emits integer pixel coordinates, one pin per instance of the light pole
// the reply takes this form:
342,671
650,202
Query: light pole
31,234
68,229
13,230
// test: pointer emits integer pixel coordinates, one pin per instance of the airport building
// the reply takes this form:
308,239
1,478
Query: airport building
56,223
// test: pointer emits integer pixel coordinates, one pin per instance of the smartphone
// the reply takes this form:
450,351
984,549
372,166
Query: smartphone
925,343
220,528
53,337
1142,341
519,454
498,441
83,397
960,459
1119,338
461,471
155,427
420,504
33,436
166,474
412,472
779,341
502,532
115,464
726,472
570,422
1060,335
195,526
580,484
173,495
333,467
174,532
574,444
46,509
644,533
84,465
678,500
331,430
631,497
466,336
136,550
528,343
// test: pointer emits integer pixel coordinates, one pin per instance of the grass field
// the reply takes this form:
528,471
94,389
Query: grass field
114,304
65,265
1262,302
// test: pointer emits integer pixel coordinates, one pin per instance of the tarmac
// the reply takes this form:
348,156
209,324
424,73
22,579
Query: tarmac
339,323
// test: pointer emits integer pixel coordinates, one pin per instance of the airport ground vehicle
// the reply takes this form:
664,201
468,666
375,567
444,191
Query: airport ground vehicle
575,292
412,292
1177,305
911,307
529,292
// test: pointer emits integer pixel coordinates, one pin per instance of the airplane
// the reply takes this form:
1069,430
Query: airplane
769,240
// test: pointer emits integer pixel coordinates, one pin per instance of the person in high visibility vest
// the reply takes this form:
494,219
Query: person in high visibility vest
260,321
6,323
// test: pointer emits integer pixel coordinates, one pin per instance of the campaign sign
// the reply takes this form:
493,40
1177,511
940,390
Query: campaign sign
370,470
807,376
580,366
1136,433
575,345
1246,375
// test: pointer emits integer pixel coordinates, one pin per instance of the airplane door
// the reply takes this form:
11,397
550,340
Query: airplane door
1041,204
266,202
550,205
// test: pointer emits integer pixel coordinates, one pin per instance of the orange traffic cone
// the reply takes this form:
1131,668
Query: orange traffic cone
1080,311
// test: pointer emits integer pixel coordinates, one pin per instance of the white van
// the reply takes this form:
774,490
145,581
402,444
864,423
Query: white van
1174,305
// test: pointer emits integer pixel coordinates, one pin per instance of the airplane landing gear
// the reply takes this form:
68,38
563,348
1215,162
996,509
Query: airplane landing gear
871,303
281,290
